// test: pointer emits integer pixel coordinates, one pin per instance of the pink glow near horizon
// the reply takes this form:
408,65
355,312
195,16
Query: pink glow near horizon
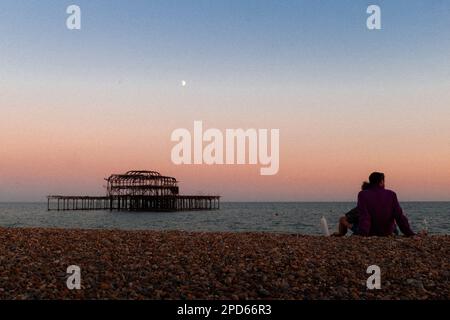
327,147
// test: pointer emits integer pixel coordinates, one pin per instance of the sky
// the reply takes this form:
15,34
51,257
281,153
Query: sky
78,105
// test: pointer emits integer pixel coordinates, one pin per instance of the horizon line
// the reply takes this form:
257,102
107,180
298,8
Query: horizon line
264,201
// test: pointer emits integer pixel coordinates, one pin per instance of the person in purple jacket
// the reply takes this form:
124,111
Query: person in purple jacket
379,210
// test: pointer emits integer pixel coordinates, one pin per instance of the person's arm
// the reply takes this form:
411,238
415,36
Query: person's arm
364,216
401,219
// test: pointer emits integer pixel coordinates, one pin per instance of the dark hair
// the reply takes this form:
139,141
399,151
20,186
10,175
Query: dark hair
375,178
365,185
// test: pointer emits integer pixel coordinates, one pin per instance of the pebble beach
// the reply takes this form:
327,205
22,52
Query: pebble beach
187,265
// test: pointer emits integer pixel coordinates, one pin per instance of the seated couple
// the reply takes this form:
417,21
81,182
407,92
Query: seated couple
378,212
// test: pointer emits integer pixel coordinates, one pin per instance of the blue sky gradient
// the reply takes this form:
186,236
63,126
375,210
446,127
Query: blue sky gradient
267,41
347,100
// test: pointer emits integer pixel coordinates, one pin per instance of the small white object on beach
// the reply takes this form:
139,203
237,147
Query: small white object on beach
425,225
324,225
183,83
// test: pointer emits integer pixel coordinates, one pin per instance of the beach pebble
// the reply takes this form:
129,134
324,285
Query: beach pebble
187,265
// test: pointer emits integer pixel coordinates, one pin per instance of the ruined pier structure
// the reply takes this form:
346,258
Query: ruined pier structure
137,191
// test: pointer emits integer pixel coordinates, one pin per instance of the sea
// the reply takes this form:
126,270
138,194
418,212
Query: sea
278,217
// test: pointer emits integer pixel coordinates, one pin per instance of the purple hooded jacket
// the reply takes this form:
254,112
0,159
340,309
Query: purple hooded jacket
378,210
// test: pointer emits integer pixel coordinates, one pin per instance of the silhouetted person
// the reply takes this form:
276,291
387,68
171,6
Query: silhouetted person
379,210
350,219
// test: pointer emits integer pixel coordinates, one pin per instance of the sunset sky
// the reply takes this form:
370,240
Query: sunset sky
77,106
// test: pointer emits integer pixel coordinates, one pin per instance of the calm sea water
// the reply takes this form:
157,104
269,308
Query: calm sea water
286,217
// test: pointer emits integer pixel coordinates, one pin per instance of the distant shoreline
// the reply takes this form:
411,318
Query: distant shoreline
210,265
225,201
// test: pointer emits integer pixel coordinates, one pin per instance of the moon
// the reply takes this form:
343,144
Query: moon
183,83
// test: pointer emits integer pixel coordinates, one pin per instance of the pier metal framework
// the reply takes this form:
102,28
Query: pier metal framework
137,191
142,183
